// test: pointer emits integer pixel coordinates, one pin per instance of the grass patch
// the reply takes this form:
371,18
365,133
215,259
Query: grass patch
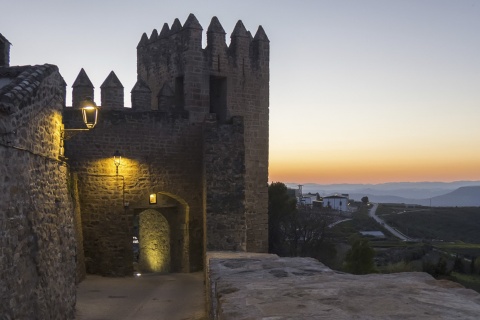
464,249
448,224
471,281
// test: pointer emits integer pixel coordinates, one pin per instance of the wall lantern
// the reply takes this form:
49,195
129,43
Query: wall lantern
89,113
153,198
90,117
117,158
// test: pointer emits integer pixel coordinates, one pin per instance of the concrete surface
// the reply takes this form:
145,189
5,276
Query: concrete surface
148,297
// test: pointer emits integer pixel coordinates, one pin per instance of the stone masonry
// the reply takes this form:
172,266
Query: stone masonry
196,136
37,235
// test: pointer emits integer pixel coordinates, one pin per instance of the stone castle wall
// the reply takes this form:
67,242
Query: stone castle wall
197,133
37,236
159,155
224,154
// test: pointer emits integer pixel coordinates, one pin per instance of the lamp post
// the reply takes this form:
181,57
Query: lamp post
117,158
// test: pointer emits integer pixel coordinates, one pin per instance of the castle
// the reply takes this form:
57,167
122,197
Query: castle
192,176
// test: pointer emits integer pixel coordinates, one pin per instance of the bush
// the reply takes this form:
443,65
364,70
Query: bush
359,259
436,270
401,266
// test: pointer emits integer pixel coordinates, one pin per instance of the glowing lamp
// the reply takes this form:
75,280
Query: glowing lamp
90,116
89,112
117,158
153,198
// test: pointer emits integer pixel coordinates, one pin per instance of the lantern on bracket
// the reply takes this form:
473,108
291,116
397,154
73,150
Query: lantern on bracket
89,113
90,117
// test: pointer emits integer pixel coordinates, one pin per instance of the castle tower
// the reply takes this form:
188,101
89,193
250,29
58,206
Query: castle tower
4,51
218,82
112,92
82,88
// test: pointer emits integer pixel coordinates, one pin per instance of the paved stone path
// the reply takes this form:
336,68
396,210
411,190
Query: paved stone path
148,297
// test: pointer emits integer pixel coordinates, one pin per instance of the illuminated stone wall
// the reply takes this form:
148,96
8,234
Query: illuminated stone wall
37,235
154,236
159,155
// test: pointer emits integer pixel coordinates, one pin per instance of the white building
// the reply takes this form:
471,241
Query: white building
336,202
307,199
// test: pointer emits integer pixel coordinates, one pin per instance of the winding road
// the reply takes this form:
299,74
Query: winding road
392,230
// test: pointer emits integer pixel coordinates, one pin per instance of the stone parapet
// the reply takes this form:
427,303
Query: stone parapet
260,286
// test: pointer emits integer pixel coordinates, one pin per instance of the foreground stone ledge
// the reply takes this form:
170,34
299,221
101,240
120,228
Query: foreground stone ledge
262,286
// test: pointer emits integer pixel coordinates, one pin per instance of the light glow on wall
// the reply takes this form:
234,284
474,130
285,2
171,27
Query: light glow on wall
154,233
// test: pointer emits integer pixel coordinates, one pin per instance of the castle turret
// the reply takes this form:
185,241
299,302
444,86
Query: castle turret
4,51
82,88
192,32
165,30
261,48
154,35
112,92
141,96
143,41
240,45
176,26
216,45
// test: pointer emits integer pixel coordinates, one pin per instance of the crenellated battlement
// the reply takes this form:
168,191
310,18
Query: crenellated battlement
242,43
176,74
203,80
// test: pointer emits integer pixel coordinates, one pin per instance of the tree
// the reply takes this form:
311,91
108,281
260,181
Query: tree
359,259
365,200
281,208
307,230
296,230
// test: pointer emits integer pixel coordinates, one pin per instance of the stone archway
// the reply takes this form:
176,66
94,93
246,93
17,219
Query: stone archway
163,235
154,234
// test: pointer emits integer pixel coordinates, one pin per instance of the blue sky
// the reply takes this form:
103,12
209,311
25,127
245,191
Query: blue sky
360,91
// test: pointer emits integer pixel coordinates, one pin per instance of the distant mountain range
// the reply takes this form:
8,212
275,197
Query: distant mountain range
438,194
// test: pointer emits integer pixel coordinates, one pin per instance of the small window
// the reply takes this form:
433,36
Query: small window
218,98
179,93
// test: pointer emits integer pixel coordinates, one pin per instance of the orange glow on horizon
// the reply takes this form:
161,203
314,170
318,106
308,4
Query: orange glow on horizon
374,170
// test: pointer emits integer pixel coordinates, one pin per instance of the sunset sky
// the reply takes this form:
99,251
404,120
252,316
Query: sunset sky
360,91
